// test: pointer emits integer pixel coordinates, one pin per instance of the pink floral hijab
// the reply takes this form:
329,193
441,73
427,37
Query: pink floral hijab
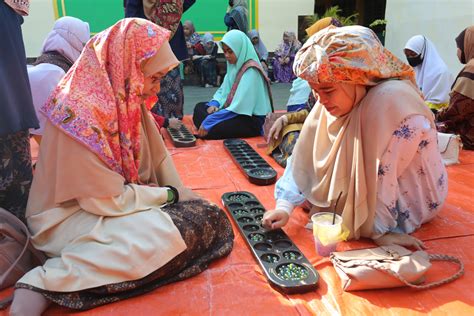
98,102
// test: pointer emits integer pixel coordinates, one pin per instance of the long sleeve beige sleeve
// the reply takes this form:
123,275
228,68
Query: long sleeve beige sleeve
135,198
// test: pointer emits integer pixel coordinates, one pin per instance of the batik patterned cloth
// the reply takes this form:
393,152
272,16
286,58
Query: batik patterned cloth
165,13
171,96
285,149
20,6
15,172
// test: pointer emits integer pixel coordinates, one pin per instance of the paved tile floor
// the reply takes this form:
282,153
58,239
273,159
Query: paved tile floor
195,94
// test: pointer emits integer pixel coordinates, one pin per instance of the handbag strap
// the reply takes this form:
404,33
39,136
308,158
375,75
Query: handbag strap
5,274
21,239
449,141
435,257
12,231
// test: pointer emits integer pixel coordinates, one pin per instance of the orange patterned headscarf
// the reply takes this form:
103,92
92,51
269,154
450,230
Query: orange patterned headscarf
98,102
351,54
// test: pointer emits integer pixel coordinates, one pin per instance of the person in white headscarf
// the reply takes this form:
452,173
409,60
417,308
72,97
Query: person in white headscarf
61,48
432,74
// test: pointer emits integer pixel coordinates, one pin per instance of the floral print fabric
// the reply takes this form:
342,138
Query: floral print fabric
412,182
98,101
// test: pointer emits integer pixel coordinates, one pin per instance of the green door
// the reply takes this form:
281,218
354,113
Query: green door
207,15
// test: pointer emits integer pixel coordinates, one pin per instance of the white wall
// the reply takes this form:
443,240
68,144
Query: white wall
37,25
439,20
277,16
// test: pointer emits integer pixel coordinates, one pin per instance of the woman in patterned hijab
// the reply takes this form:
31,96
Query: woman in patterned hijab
369,136
103,179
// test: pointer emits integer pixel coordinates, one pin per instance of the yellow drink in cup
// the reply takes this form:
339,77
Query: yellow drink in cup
326,234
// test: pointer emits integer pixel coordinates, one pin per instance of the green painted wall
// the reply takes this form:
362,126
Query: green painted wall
207,15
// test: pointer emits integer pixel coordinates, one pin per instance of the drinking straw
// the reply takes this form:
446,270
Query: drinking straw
335,208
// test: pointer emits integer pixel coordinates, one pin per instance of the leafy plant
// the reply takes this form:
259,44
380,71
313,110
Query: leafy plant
378,22
333,12
378,26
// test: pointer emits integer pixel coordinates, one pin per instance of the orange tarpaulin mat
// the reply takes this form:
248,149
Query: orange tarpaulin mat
236,286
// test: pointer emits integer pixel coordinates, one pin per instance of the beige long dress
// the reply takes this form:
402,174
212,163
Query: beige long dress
96,229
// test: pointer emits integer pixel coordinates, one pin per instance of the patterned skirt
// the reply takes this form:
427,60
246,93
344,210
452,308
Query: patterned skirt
208,235
15,172
171,96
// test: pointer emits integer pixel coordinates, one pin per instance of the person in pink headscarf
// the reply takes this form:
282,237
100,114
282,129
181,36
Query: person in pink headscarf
107,205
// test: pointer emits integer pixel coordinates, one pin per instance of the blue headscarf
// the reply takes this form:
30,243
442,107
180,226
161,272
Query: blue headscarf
251,97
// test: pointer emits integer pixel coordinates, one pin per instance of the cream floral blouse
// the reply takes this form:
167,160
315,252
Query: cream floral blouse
412,180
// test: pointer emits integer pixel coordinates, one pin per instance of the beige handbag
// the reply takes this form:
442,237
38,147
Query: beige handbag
388,267
449,146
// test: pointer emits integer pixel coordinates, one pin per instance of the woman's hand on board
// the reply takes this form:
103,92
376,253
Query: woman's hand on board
275,219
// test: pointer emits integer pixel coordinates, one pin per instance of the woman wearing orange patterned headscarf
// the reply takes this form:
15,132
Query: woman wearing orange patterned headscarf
107,205
369,136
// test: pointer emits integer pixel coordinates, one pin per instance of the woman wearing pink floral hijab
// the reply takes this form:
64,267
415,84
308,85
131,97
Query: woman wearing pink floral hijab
107,205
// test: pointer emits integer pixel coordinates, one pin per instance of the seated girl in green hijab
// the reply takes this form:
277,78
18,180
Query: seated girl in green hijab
239,106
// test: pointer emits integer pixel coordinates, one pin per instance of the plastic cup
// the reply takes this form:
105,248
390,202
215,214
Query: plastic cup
323,229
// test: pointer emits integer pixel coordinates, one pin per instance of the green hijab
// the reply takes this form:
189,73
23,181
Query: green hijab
251,97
